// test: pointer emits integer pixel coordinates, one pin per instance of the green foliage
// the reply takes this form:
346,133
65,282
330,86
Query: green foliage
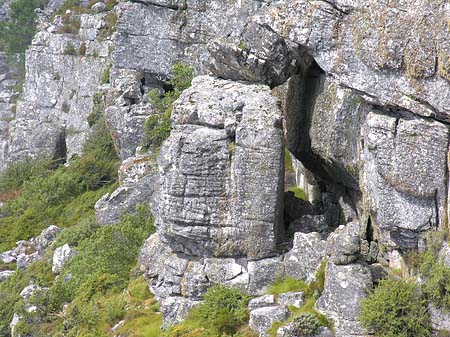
222,313
110,25
105,75
396,309
56,197
299,193
70,50
437,280
18,173
16,34
288,161
157,127
306,324
288,284
312,292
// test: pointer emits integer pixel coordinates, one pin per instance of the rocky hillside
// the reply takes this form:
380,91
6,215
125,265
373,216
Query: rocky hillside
285,161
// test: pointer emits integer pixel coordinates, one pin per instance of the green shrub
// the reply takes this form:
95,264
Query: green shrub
16,34
105,75
396,309
70,50
18,173
223,312
157,127
437,280
306,324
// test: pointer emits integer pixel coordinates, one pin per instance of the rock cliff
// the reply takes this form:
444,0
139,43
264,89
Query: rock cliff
356,91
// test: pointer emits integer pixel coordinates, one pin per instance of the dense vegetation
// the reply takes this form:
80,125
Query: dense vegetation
396,308
16,34
223,313
158,126
306,316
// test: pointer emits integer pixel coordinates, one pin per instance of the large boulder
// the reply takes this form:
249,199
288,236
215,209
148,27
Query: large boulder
262,319
221,171
345,286
304,259
343,245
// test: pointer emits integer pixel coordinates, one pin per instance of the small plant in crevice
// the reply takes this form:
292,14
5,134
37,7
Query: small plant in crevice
69,49
105,75
157,127
306,324
312,292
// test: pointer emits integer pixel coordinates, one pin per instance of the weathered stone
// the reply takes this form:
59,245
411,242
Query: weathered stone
263,273
404,168
61,256
261,319
175,309
343,245
440,318
345,286
207,208
295,299
6,274
139,181
305,257
261,302
289,330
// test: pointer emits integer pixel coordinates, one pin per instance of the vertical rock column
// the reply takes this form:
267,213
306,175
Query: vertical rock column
221,171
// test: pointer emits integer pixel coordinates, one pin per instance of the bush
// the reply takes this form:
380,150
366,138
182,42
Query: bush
437,281
306,324
70,50
18,173
223,312
157,127
396,309
16,33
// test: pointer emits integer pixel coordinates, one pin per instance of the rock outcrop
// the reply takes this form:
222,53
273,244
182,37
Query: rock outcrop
221,172
358,92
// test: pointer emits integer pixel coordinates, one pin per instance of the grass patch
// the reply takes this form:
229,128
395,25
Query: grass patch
299,193
288,167
312,292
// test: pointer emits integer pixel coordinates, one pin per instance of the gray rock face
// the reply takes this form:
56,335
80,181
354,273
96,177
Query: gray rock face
345,286
382,64
261,302
262,319
51,118
343,245
61,256
305,257
295,299
405,167
221,187
138,177
440,318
